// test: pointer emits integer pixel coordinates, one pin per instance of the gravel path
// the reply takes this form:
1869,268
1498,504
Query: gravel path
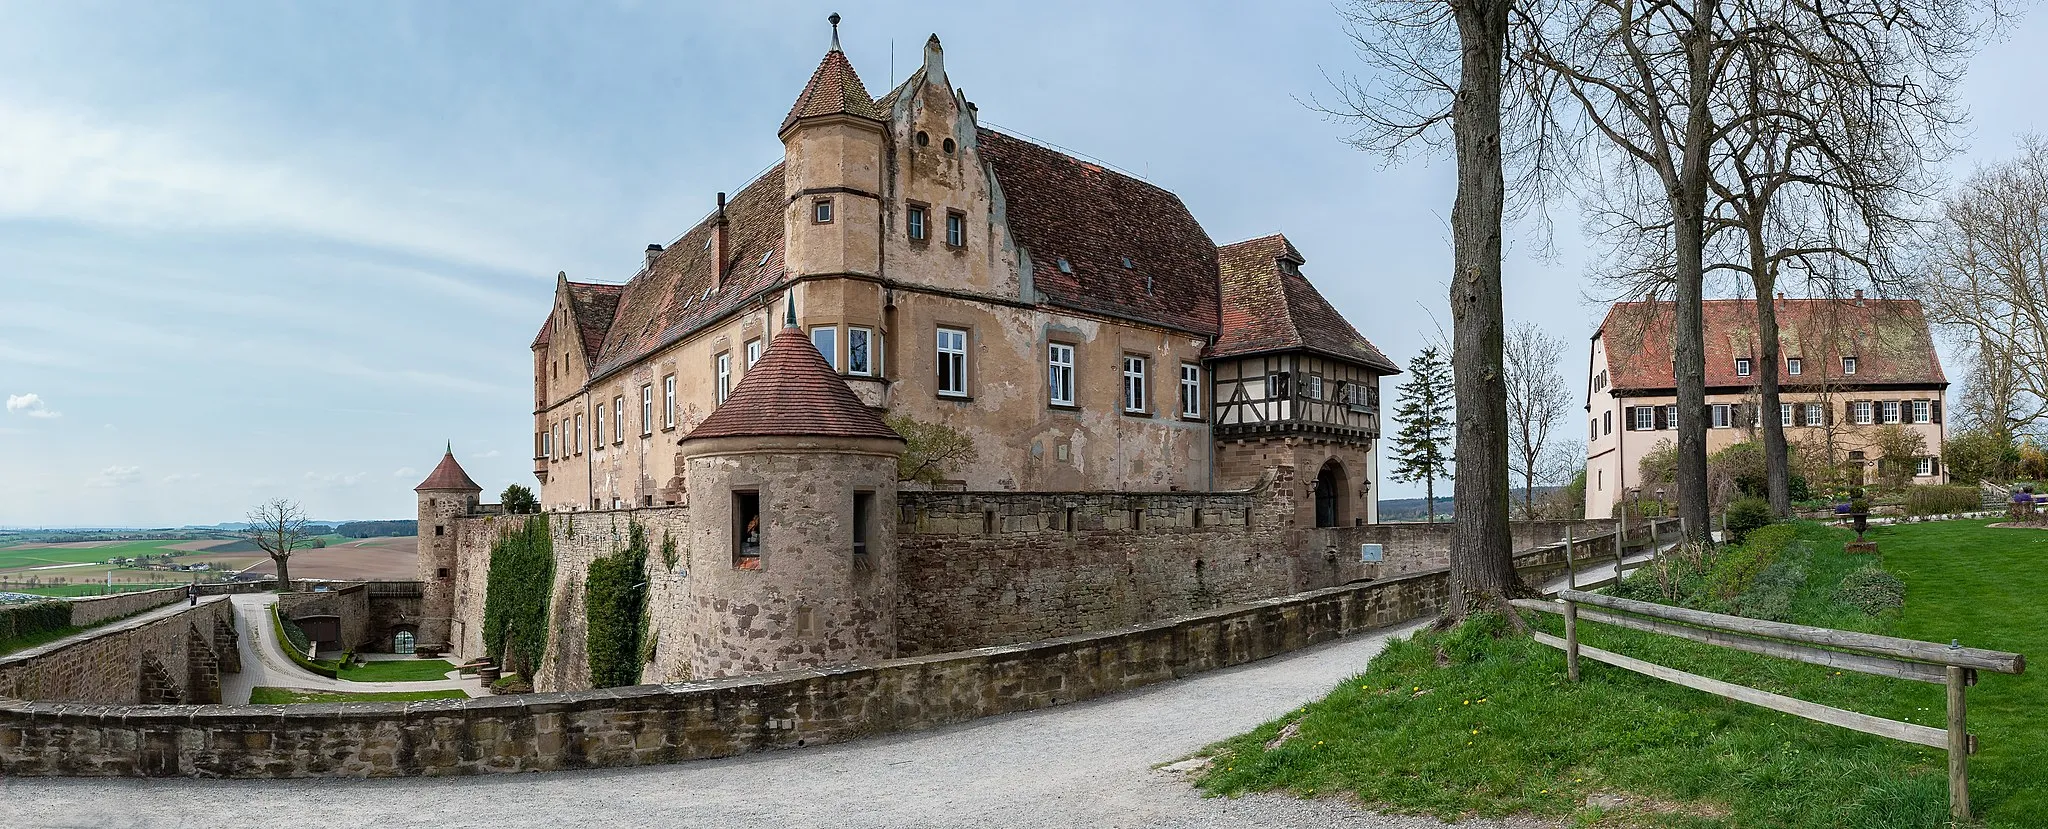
1089,764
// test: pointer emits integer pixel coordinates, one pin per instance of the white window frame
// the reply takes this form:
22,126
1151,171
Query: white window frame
1059,374
547,446
1923,467
1315,387
579,433
724,368
1671,415
668,393
1646,419
1190,390
821,212
867,341
1816,414
597,429
1784,414
619,418
1923,411
1848,365
1724,416
830,349
753,352
1889,411
1134,384
918,223
951,345
1742,367
956,230
646,409
1792,366
1864,415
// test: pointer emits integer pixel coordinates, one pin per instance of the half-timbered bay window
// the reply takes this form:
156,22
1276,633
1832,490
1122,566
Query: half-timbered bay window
826,338
646,410
1276,386
668,392
724,375
1313,387
1134,384
1190,390
860,352
952,349
1059,374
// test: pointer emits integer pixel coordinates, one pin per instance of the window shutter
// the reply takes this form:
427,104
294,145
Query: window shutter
1934,465
1848,411
1628,418
1658,419
1934,408
1827,416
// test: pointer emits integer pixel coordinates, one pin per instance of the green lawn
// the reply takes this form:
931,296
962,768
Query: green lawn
288,696
20,643
1463,723
398,670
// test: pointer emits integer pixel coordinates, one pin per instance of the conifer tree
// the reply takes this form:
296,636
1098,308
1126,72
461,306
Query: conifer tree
1422,449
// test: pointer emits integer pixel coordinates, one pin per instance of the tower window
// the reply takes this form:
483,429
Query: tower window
947,146
860,351
863,505
440,529
826,338
746,530
956,228
821,212
916,223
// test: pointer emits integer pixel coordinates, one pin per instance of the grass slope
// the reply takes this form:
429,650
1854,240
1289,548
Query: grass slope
397,670
1462,722
287,696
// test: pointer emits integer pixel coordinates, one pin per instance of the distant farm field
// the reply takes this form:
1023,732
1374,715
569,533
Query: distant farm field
79,568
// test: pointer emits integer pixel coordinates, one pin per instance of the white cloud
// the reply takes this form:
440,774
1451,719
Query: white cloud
404,472
181,476
491,454
31,404
336,478
114,476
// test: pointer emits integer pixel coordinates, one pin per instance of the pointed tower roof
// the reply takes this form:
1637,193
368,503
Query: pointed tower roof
834,90
792,392
448,476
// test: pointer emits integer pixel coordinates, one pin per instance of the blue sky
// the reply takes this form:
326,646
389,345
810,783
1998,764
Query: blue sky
287,249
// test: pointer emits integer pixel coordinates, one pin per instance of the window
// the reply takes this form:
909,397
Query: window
442,529
826,338
1784,414
1059,374
724,375
1671,416
1814,414
1922,411
916,224
1190,390
1315,387
1861,410
646,410
1848,365
1890,410
1922,467
1593,428
1792,366
821,211
863,505
597,429
668,392
1607,423
619,419
952,362
1722,416
859,351
546,447
1646,418
956,229
746,530
753,352
579,433
1134,383
1742,366
1276,386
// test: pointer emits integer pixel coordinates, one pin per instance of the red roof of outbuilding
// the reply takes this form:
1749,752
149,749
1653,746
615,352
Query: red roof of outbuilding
1267,308
448,476
1888,337
792,392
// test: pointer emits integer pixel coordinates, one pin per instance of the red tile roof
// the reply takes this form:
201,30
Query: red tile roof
1889,339
546,328
448,476
1267,308
594,305
792,392
1060,207
834,90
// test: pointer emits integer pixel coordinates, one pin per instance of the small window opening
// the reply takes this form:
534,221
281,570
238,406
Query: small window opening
1128,263
821,212
1198,518
988,522
947,146
1137,518
1065,266
863,505
746,530
440,572
1069,519
923,139
440,529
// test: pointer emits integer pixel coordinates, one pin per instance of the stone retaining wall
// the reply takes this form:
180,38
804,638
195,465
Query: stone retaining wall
92,610
652,724
172,659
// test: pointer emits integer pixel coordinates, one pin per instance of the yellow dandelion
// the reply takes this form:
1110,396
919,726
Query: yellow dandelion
1468,702
1475,731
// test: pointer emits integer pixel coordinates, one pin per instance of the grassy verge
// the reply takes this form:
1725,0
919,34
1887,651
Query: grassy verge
397,670
291,647
1472,721
22,643
287,696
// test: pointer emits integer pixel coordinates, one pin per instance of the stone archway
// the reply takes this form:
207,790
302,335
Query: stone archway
1332,487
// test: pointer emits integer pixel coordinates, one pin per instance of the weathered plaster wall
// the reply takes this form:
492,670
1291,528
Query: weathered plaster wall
176,658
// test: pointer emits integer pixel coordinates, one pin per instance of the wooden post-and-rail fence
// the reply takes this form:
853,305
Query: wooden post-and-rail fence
1654,526
1952,665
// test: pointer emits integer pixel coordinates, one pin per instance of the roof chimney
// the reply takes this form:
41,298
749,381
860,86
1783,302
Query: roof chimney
720,254
1859,297
935,63
653,253
1781,294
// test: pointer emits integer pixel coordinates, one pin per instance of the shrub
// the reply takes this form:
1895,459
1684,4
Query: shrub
1770,594
518,500
1941,500
1737,568
33,618
1871,590
1746,515
615,612
516,595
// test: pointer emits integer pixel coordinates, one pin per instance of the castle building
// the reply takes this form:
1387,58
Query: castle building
1848,368
1077,324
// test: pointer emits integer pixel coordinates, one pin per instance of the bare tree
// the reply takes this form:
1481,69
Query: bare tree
278,527
1987,284
1537,398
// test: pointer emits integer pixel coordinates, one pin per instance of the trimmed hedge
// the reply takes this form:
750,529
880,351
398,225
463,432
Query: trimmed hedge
1746,515
517,593
33,618
1942,500
289,633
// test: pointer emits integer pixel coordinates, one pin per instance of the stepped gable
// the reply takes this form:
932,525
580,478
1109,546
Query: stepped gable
1266,308
1060,207
448,476
835,89
680,292
792,392
594,306
1888,337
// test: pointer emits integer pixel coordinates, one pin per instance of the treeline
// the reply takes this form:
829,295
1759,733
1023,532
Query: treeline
377,529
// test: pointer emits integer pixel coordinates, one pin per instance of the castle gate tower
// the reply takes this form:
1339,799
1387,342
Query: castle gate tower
446,494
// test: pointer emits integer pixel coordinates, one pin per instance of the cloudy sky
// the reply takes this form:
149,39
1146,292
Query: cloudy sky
287,249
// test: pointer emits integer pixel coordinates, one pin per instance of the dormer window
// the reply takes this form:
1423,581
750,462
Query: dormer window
1065,266
1848,365
1792,366
1742,366
821,212
1289,266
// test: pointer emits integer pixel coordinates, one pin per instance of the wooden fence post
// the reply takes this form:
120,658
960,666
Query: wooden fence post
1958,748
1571,571
1571,641
1620,542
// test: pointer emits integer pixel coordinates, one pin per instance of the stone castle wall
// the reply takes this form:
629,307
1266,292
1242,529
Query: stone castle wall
176,658
93,610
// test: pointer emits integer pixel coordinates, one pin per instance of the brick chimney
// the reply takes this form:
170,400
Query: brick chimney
653,253
719,252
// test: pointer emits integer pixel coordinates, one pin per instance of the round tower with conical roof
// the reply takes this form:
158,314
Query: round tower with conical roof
446,495
792,559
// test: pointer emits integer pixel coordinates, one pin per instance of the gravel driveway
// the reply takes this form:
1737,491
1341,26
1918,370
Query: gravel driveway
1083,765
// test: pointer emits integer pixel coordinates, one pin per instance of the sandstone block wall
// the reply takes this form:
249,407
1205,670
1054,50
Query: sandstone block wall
177,658
96,609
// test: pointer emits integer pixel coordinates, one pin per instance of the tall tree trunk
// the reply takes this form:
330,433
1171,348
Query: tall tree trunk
1482,564
284,576
1688,197
1777,457
1429,496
